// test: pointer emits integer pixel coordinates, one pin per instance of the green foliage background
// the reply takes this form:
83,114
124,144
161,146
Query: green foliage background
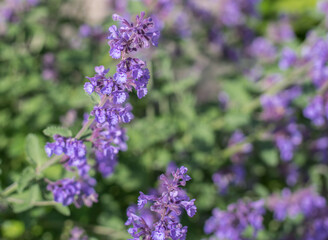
173,123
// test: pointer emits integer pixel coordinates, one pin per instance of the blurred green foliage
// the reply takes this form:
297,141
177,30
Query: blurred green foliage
173,123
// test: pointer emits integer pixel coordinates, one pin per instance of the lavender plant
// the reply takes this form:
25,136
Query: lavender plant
107,136
166,205
274,113
231,224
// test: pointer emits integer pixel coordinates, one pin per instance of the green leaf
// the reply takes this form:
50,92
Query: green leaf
63,210
235,119
270,157
26,199
12,229
53,130
33,151
261,190
21,207
94,98
27,175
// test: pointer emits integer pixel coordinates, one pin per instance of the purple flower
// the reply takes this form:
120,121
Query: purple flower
94,32
89,88
74,151
281,31
288,59
85,30
304,201
78,234
107,137
287,139
230,13
263,49
49,71
166,206
237,138
316,111
190,207
131,36
320,148
276,107
316,53
234,175
68,191
108,140
223,99
231,224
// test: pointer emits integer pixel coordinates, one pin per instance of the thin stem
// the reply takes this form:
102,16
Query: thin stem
89,122
39,203
9,189
49,163
106,231
45,203
323,89
15,200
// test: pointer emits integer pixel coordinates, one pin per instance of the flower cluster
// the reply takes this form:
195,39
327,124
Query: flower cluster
287,138
131,37
281,31
74,151
304,201
78,234
107,142
49,71
317,226
94,32
315,53
218,18
107,137
236,138
320,148
262,49
276,107
232,223
80,192
323,8
317,110
307,203
235,175
166,206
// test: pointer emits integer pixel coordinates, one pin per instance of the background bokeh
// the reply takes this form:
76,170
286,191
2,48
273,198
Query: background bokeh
200,93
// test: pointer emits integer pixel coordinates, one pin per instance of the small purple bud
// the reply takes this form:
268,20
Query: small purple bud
88,88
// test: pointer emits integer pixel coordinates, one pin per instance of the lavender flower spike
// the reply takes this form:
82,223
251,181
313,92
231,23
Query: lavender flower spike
166,206
131,36
107,137
231,224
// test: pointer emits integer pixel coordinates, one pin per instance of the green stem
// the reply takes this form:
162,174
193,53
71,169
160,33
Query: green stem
49,163
39,203
15,200
9,189
87,125
323,89
45,203
105,231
